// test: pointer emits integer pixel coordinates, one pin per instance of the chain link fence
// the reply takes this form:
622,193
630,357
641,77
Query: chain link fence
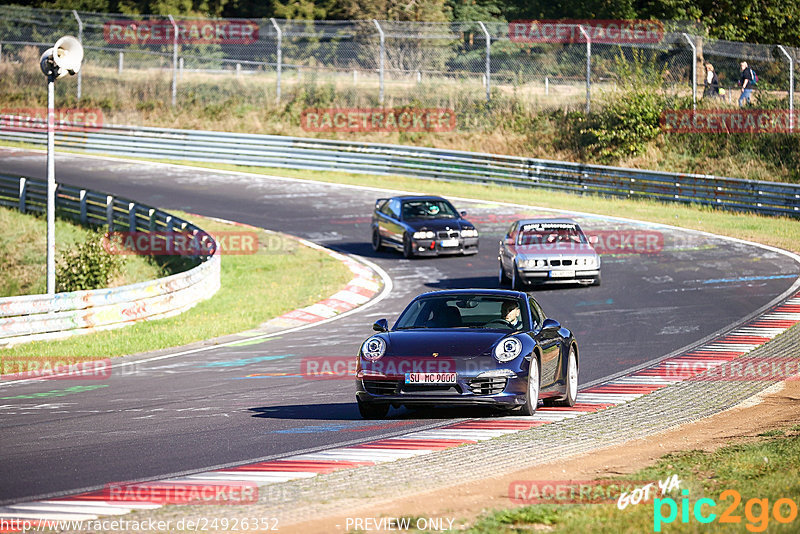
139,65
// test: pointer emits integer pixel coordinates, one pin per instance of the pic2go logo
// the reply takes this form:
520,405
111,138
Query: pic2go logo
756,511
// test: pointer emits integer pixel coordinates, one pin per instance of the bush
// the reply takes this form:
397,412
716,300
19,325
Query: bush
88,266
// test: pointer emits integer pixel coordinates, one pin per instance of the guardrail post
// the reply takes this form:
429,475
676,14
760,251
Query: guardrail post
170,223
84,217
110,212
278,59
488,60
131,216
588,68
380,61
151,224
791,85
121,61
174,61
23,193
694,69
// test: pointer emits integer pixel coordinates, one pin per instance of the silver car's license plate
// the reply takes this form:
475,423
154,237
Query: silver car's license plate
562,274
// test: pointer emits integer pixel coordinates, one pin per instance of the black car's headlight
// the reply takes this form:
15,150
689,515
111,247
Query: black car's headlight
508,349
373,348
469,232
424,235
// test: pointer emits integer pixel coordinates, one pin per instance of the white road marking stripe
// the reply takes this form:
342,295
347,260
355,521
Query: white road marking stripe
7,513
86,507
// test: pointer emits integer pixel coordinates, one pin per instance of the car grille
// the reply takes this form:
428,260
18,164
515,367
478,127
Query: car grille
432,389
558,263
380,387
491,385
447,234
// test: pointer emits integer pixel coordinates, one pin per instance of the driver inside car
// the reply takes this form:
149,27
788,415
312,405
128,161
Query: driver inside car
511,313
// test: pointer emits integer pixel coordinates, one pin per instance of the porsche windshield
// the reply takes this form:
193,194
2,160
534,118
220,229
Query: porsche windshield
428,209
542,234
464,311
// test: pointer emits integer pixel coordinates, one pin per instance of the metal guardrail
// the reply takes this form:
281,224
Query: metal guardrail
39,317
769,198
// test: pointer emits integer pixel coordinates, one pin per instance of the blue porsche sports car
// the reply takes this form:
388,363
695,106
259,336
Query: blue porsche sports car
422,226
474,347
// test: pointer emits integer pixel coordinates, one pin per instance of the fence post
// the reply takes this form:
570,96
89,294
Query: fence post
488,60
694,69
380,64
132,216
84,215
279,59
791,86
588,68
121,60
80,40
23,193
174,61
110,212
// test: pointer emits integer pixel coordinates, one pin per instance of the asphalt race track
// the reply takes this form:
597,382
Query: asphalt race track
237,404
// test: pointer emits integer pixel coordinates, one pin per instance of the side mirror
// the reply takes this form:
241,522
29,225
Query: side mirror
464,213
381,325
551,324
593,239
509,240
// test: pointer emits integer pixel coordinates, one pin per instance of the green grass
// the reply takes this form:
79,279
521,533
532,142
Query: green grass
23,253
280,277
761,469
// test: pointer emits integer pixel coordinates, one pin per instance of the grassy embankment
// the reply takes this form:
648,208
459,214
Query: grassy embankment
283,275
764,469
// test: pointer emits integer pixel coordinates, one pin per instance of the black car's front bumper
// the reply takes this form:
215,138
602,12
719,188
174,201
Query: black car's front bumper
434,247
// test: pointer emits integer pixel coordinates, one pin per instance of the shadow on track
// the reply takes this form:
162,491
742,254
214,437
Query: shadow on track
348,411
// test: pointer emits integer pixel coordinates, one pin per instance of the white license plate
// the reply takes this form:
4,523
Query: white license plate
562,274
449,242
431,378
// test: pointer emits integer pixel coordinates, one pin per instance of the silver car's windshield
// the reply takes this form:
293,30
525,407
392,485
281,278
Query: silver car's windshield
548,233
464,311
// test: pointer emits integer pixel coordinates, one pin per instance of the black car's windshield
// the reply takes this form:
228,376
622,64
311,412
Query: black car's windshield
549,233
428,209
464,311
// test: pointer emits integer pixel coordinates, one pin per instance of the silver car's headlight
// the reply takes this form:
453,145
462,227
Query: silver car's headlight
373,348
424,235
507,349
527,264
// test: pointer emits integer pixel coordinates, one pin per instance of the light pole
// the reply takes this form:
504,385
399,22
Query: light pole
64,58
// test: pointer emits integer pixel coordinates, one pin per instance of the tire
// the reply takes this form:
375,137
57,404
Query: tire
502,279
369,410
596,281
516,281
408,248
377,242
571,381
532,395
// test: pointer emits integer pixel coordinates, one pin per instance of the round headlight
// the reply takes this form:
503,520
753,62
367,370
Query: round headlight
373,348
429,235
507,349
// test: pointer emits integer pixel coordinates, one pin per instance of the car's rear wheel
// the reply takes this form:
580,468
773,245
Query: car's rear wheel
571,381
377,243
408,247
532,395
370,410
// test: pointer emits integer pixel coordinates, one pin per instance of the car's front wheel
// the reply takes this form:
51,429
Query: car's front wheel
571,381
532,395
370,410
516,282
377,243
501,276
408,247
